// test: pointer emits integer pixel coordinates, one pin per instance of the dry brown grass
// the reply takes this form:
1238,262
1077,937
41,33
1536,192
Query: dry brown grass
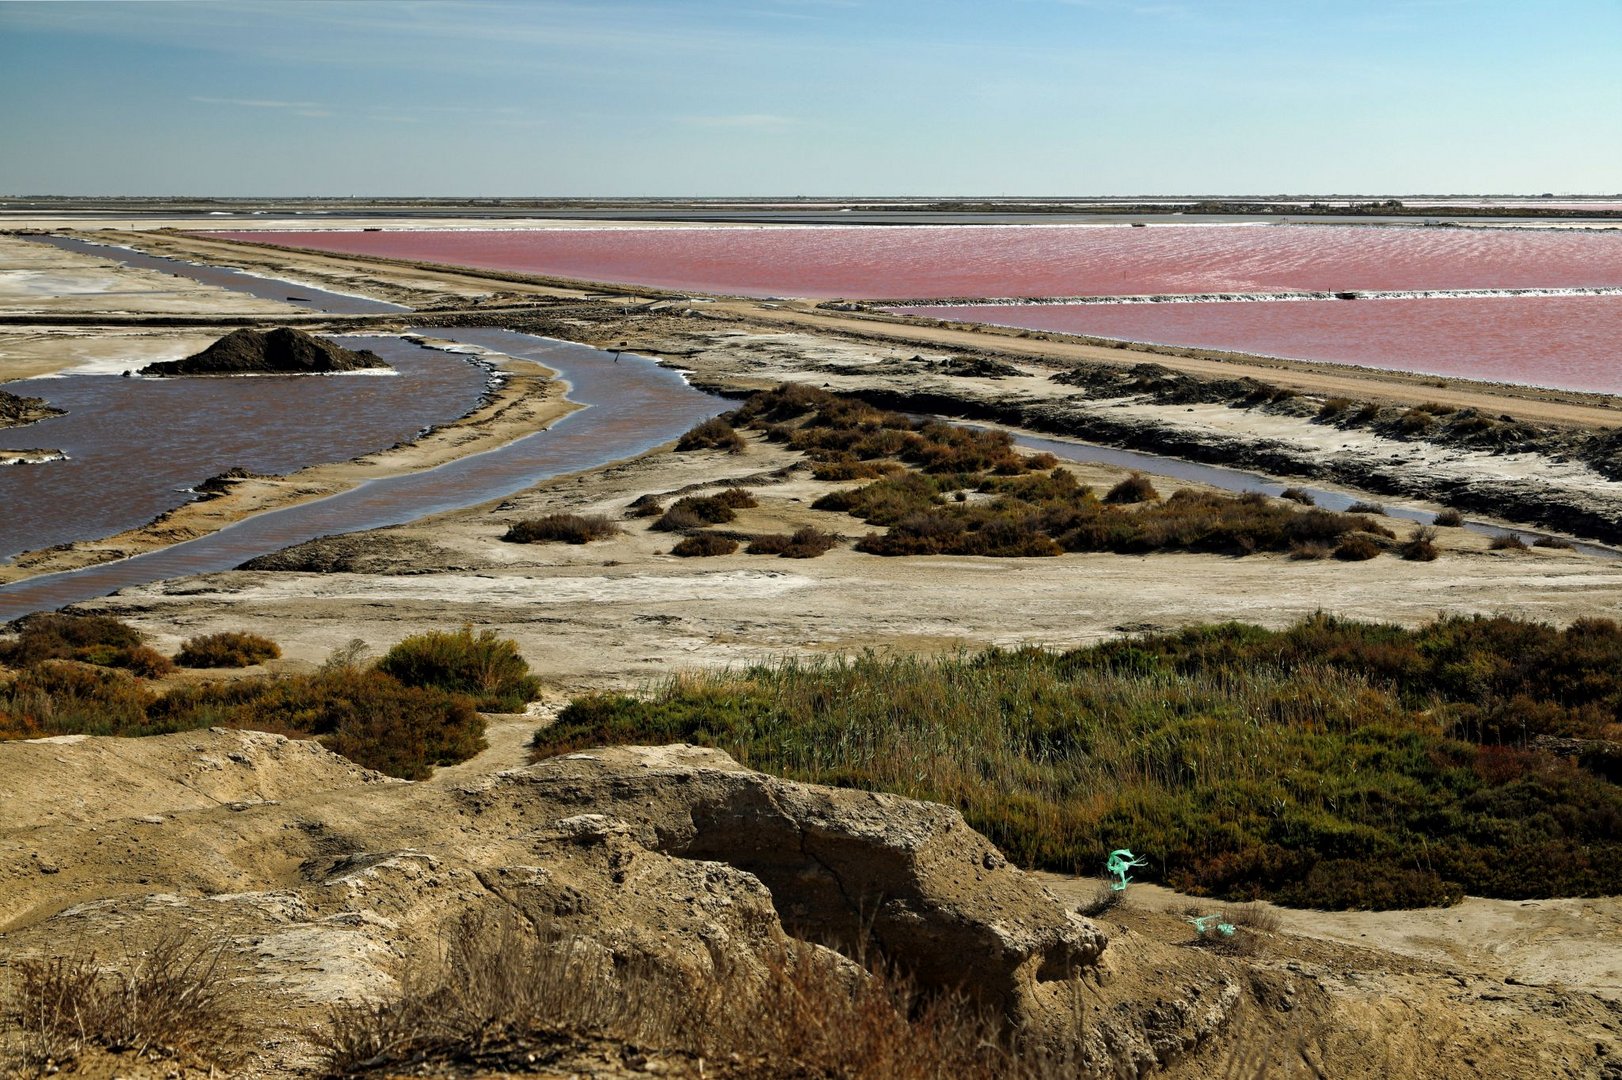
505,992
174,999
561,528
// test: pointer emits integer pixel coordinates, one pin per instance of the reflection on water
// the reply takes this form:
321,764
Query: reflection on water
136,446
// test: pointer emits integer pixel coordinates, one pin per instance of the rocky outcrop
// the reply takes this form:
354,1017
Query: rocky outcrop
15,411
854,870
283,351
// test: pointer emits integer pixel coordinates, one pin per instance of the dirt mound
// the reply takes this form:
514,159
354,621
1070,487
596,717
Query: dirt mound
16,411
282,351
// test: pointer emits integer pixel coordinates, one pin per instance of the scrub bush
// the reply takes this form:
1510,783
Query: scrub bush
563,528
227,650
485,667
704,544
712,434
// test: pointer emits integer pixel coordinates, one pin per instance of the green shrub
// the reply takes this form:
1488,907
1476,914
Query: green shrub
485,667
226,650
703,544
564,528
712,434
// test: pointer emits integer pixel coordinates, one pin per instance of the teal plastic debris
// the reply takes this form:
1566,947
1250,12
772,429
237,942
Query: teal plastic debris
1120,861
1203,923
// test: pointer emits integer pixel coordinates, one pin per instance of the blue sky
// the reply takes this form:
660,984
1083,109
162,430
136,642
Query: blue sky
790,97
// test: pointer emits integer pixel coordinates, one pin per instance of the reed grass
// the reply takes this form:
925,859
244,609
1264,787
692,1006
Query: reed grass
1333,765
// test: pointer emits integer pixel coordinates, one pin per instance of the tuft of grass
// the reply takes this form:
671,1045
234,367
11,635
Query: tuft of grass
175,999
230,649
564,528
712,434
1420,545
1333,764
1362,507
703,545
1507,542
1297,495
1554,543
1448,519
1334,408
644,506
506,993
483,666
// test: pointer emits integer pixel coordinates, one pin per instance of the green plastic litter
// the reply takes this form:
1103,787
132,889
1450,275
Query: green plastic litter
1120,861
1203,923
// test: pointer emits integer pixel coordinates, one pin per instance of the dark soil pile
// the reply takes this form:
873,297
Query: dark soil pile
283,351
15,410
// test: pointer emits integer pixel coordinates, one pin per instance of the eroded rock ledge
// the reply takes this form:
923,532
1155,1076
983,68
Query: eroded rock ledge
331,883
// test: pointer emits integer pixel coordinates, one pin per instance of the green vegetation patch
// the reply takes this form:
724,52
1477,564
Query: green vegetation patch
416,709
1334,764
91,639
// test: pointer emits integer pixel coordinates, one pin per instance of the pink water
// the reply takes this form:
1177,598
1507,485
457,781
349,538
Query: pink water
929,262
1571,342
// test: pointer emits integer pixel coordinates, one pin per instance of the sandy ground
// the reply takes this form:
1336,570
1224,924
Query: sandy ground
36,279
620,611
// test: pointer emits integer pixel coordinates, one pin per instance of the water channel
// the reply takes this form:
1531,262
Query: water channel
631,405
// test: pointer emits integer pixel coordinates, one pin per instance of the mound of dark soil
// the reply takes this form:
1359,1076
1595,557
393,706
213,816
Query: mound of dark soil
16,411
282,351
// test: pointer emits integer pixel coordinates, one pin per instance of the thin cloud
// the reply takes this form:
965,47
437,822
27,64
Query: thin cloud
307,108
753,121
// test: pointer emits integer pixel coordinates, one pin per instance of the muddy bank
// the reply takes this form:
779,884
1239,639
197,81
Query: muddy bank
18,411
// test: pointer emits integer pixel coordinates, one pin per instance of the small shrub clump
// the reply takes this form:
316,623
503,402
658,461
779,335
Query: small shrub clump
803,543
713,434
704,544
561,528
697,511
230,649
1419,547
1553,543
1134,489
1507,542
90,639
1297,495
483,666
1448,519
1356,549
1362,507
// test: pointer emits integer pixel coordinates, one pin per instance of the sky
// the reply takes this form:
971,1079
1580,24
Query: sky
810,97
